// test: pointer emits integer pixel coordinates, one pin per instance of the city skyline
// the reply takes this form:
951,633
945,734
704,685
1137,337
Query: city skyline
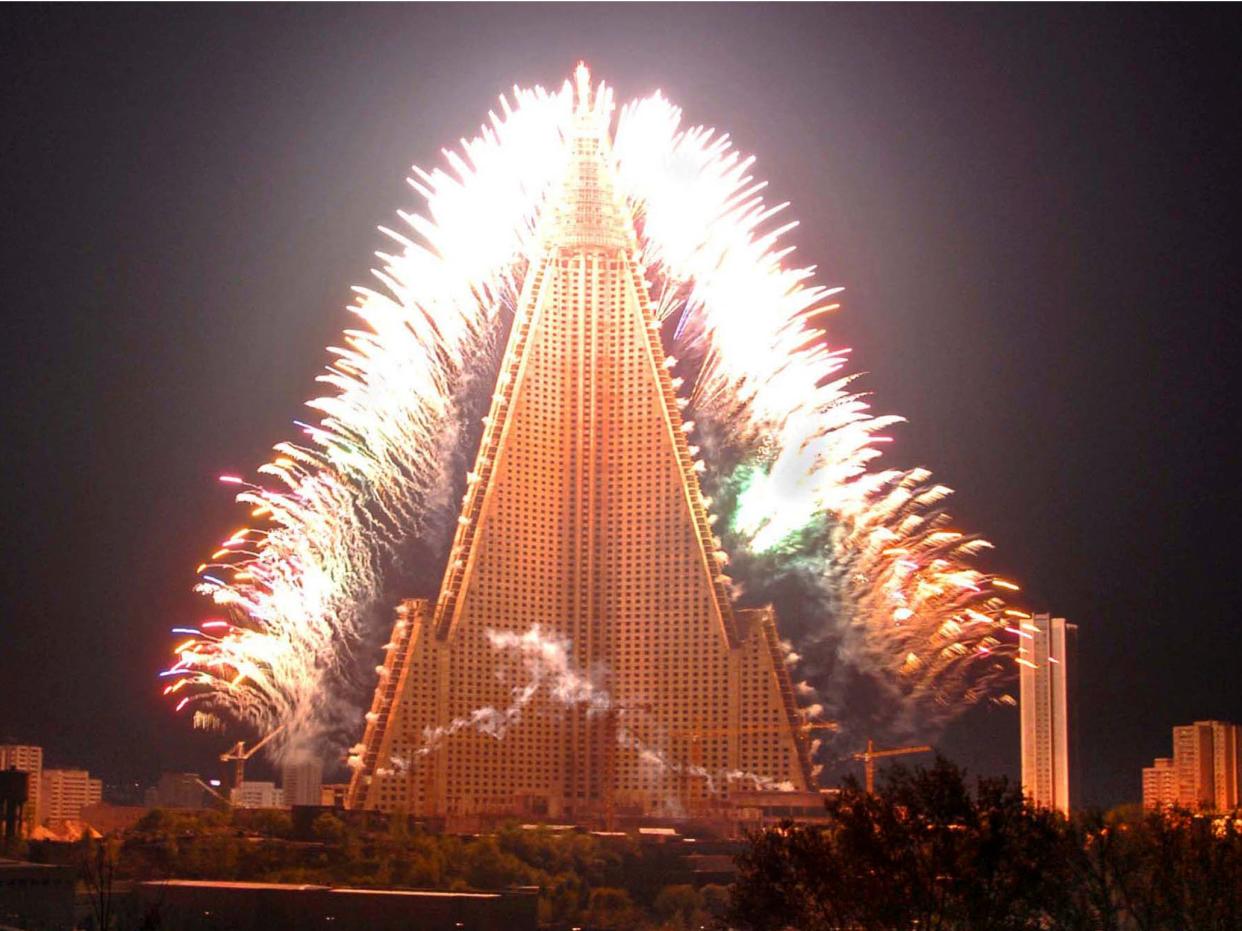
276,363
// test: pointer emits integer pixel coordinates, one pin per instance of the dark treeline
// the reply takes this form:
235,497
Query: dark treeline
926,852
584,881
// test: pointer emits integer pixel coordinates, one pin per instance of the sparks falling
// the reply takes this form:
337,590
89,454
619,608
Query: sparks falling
788,445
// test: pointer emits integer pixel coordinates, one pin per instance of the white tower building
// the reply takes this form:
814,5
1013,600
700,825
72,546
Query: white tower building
1045,676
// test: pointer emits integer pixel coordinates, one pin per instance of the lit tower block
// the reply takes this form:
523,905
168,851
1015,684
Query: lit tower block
584,516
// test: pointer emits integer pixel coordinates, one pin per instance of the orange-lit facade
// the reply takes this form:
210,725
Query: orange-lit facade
584,516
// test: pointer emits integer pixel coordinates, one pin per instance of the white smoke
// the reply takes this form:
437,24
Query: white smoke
548,664
546,659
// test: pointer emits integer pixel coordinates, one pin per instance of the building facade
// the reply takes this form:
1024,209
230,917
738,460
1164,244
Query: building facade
583,524
302,782
28,759
1192,761
1160,783
1045,659
255,794
1226,759
65,792
1203,773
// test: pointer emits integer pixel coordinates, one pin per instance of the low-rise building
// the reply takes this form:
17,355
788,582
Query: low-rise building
333,794
257,795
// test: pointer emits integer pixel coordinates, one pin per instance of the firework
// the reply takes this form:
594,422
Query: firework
788,445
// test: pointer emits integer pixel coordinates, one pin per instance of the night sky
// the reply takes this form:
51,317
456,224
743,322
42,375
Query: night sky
1034,212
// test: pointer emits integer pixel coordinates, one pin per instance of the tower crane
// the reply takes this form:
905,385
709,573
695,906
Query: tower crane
871,754
238,754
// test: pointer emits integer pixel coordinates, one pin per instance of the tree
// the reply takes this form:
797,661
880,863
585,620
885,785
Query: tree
679,906
611,908
328,828
923,851
98,869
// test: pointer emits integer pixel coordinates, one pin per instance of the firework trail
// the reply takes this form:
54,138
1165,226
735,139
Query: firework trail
789,445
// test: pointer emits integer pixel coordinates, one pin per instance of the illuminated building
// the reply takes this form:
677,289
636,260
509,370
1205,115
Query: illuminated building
1203,771
1159,783
65,792
1046,657
28,759
583,516
252,794
1192,762
1226,758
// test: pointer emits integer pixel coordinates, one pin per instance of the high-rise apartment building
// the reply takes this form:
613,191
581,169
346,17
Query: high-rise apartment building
301,782
1204,769
28,759
583,519
1226,759
1046,660
1192,760
1159,783
65,792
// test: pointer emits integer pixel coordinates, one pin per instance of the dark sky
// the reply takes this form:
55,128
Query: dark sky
1033,209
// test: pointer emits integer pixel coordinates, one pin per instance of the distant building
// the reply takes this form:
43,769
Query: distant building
1192,759
1203,772
1226,759
177,790
257,795
65,792
334,794
1046,657
302,782
28,759
1159,783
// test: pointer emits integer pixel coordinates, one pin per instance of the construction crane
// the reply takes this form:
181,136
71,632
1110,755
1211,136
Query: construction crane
871,754
238,754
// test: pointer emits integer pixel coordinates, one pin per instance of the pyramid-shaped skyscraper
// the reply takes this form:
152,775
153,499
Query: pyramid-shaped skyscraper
583,517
